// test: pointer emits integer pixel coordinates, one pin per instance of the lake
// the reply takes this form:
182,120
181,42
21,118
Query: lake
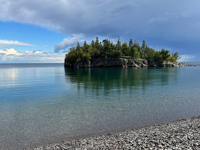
47,103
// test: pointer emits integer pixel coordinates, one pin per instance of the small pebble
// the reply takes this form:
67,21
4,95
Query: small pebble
180,134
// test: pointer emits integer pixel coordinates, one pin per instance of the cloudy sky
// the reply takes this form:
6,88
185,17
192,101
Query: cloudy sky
43,31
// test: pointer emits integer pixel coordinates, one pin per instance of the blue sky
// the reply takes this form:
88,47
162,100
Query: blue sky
42,31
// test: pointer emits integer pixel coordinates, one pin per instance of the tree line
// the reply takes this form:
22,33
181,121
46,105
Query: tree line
106,49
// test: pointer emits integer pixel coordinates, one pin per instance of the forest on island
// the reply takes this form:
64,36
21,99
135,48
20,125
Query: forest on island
106,49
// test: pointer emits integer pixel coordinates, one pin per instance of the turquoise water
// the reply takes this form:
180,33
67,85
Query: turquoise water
46,103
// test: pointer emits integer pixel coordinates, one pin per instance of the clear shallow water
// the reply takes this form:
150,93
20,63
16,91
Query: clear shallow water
46,103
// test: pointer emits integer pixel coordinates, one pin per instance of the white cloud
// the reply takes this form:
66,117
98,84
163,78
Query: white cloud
9,52
72,42
10,42
67,43
186,58
11,55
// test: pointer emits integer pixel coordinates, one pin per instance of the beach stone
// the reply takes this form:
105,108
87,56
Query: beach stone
180,134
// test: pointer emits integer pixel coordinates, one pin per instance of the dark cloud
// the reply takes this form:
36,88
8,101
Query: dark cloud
167,21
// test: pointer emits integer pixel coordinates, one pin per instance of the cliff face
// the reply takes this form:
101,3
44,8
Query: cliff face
123,62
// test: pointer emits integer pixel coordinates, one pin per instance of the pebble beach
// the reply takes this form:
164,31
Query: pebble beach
177,135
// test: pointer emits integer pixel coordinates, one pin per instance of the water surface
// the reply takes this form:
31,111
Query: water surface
46,103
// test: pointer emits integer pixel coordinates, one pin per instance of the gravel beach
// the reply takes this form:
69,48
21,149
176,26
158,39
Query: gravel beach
179,134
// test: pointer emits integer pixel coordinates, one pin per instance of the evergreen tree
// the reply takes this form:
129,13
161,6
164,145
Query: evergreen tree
176,56
85,47
112,45
158,56
137,44
97,42
91,51
118,44
92,43
96,50
101,50
165,54
125,49
131,43
150,54
134,53
106,49
78,46
143,49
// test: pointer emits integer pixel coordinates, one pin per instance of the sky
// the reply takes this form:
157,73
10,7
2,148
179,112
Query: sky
43,31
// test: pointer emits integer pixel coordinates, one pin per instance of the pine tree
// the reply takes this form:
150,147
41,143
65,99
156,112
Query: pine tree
92,43
130,43
85,47
125,49
143,49
106,49
119,44
78,46
97,43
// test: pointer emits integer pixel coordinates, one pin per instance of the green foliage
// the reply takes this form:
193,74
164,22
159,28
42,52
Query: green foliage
72,56
143,48
85,47
118,44
95,50
176,56
171,58
78,45
131,43
92,44
106,51
125,49
158,56
149,53
134,53
165,54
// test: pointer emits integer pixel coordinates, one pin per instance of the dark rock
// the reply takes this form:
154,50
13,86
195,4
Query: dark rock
125,61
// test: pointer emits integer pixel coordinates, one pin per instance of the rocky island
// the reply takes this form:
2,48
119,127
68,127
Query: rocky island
107,54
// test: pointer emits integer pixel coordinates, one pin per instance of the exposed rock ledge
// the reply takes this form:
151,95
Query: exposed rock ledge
124,62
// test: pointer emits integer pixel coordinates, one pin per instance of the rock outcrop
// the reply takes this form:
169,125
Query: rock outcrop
166,64
124,62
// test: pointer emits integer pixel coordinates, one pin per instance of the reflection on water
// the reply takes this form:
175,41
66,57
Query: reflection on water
47,104
17,76
110,79
9,75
